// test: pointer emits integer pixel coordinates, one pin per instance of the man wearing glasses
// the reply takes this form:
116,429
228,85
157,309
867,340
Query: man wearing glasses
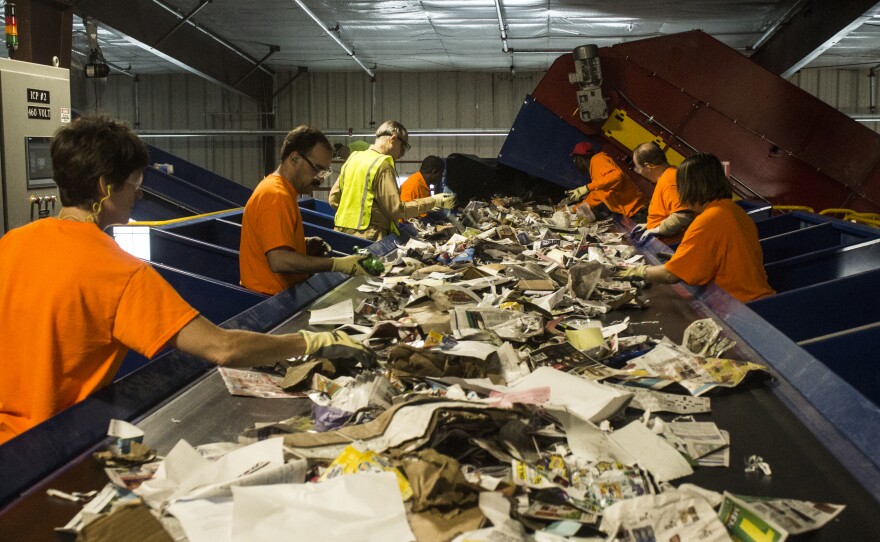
275,253
366,196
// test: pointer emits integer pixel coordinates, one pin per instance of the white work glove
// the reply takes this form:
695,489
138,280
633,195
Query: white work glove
315,246
337,345
444,201
350,265
577,194
641,234
647,235
638,272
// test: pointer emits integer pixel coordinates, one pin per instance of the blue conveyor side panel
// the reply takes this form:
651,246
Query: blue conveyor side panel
801,241
539,144
853,357
202,180
823,308
314,217
213,230
778,225
823,265
195,256
316,205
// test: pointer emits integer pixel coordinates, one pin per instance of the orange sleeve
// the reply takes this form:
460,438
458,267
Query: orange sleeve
696,259
665,200
271,220
604,172
407,190
611,186
722,246
150,313
414,188
278,224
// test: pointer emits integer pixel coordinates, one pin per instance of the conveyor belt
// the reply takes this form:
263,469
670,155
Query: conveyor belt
757,420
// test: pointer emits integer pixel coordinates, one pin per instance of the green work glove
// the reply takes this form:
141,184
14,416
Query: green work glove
577,194
350,265
638,272
444,201
337,345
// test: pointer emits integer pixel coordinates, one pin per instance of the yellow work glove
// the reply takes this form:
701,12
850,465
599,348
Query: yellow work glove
577,194
337,345
350,265
638,272
444,201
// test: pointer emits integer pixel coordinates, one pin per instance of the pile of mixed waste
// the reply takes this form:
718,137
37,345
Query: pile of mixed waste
509,402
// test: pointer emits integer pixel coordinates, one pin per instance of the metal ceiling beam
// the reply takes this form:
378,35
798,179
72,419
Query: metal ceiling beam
809,33
331,32
148,22
502,26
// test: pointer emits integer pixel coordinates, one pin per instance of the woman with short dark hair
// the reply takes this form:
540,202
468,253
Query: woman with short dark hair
720,246
69,323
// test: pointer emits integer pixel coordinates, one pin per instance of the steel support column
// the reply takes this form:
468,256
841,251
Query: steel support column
809,33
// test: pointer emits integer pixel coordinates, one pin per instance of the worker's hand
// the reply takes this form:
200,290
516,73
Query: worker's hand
315,246
444,201
337,345
637,231
350,265
577,194
638,272
644,236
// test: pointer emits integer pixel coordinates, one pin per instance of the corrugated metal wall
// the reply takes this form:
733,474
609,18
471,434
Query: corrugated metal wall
847,90
329,101
339,101
181,102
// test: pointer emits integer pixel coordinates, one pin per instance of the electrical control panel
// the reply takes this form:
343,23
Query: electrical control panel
34,102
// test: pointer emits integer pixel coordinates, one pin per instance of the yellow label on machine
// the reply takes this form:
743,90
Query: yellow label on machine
631,134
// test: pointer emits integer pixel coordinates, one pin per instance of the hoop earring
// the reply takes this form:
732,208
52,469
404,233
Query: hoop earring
96,207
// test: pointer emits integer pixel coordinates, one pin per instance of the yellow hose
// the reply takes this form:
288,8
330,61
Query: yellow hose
155,223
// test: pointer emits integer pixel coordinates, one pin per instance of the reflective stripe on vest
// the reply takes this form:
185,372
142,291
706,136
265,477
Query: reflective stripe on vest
356,183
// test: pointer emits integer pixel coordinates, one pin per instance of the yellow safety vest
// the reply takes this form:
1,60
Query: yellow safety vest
356,188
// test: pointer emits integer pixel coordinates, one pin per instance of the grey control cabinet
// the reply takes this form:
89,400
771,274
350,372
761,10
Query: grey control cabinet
34,102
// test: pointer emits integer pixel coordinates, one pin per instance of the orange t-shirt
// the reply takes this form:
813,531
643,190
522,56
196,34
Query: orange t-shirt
664,202
721,245
414,187
610,185
73,304
271,220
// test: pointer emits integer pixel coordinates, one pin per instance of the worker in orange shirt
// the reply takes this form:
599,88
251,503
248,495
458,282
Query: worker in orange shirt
69,325
721,244
667,217
609,187
274,251
418,184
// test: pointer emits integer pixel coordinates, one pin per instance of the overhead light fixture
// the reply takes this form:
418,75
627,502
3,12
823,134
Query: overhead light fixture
96,65
348,50
501,26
